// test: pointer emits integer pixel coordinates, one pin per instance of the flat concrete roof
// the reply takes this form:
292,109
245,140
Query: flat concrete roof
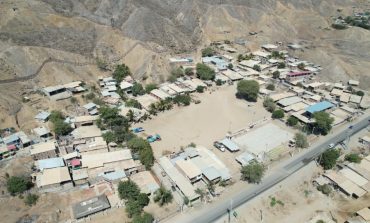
90,206
86,132
190,170
53,176
145,181
99,159
43,147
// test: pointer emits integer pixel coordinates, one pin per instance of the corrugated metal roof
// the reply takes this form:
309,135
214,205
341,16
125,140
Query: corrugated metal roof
211,173
321,106
50,163
230,145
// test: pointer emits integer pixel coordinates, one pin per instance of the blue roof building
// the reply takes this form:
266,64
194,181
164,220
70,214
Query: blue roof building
220,63
321,106
50,163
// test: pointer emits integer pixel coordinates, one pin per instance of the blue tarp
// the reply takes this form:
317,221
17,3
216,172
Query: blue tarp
321,106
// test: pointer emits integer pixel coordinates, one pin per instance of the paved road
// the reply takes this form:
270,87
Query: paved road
214,211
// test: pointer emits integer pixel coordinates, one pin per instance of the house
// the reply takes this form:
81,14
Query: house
178,180
188,169
217,61
289,101
80,177
364,214
54,178
75,87
345,185
57,92
355,99
92,146
353,82
126,86
91,108
161,95
227,57
318,107
244,158
108,162
261,54
50,163
114,176
297,75
91,206
269,47
84,120
86,132
42,116
42,132
230,145
138,114
44,150
146,101
232,75
145,181
249,63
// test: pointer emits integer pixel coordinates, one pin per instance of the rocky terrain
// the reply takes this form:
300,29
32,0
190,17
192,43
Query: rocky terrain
45,42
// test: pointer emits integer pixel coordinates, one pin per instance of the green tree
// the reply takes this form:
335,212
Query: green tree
133,103
270,87
31,199
150,87
301,66
253,172
109,137
56,116
208,52
163,196
200,89
143,199
281,65
269,104
142,146
329,158
240,57
353,158
278,114
61,128
323,122
248,90
230,66
183,99
218,82
17,185
128,190
292,121
133,208
120,72
204,72
137,89
301,140
325,189
147,157
189,71
276,74
360,93
143,218
257,67
136,144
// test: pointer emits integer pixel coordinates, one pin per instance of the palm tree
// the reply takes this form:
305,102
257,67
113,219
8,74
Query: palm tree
163,196
201,193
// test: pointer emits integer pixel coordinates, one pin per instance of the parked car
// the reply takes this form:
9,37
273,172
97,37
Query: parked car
219,146
153,138
137,130
331,145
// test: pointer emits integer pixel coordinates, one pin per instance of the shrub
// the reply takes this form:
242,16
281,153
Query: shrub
137,89
292,121
163,196
230,66
102,64
31,199
353,158
360,93
301,140
208,52
150,87
325,189
200,89
120,72
281,65
189,71
270,87
61,128
257,68
133,103
128,190
182,99
276,74
269,104
329,158
278,114
143,218
17,185
218,82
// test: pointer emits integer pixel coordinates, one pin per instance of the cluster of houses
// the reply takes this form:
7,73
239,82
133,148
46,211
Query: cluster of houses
195,167
353,179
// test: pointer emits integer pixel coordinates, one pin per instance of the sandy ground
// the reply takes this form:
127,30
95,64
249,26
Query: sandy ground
218,113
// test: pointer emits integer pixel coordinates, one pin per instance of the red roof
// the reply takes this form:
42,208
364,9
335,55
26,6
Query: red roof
76,162
11,147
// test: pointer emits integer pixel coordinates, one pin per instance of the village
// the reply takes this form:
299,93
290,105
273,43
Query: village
190,136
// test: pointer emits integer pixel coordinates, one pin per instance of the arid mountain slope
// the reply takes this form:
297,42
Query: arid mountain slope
144,33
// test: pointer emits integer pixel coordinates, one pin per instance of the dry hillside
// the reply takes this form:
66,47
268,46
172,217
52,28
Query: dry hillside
44,42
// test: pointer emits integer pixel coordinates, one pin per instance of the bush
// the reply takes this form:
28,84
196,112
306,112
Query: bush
218,82
90,96
56,116
276,74
329,158
325,189
143,218
301,66
128,190
183,99
253,172
270,87
133,103
137,89
257,68
189,71
120,72
301,140
269,104
133,208
281,65
278,114
204,72
102,65
248,90
61,128
208,52
353,158
200,89
31,199
360,93
292,121
230,66
150,87
17,185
